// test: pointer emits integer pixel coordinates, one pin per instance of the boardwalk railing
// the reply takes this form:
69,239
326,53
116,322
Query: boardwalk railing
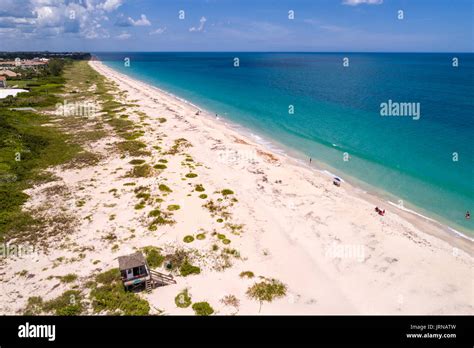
158,279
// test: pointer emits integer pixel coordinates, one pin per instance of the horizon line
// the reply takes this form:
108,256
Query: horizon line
237,51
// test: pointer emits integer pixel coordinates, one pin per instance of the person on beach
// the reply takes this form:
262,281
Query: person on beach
310,159
468,215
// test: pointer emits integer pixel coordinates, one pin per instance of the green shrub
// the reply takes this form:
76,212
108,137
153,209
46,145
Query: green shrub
188,239
141,171
159,166
199,188
109,296
139,206
34,306
154,213
183,299
203,196
246,274
179,144
201,236
133,148
164,188
173,207
187,269
161,220
267,290
137,161
191,175
226,241
69,303
153,256
227,192
202,308
68,278
108,276
142,193
233,252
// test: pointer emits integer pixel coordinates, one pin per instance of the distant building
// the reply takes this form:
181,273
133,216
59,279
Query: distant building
25,63
8,73
3,82
5,64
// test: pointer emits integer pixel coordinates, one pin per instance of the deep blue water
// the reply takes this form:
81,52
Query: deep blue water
337,111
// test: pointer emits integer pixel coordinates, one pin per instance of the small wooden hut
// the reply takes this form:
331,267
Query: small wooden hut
135,273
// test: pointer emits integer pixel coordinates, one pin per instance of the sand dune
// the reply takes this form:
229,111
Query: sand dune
333,252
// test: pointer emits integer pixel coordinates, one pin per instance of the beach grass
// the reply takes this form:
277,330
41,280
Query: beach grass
183,299
28,145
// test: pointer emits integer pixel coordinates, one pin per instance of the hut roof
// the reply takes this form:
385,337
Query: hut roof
131,261
8,73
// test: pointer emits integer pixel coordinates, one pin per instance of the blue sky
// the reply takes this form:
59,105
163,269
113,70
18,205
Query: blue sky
237,25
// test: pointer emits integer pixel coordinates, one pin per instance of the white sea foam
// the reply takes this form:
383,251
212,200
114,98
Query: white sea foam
460,234
332,175
411,211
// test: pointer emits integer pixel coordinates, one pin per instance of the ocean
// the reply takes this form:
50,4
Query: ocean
400,125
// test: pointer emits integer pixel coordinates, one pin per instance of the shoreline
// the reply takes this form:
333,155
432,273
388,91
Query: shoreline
375,195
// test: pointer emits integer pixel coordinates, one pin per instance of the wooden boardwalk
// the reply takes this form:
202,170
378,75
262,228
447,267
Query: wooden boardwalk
158,279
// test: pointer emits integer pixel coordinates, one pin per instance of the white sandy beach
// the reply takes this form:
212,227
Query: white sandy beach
326,243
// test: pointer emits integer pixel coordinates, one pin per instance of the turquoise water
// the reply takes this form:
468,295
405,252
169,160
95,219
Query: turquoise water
337,111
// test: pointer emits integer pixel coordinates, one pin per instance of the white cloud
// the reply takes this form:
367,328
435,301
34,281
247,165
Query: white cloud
123,36
202,21
11,22
158,31
143,21
123,21
358,2
110,5
49,18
